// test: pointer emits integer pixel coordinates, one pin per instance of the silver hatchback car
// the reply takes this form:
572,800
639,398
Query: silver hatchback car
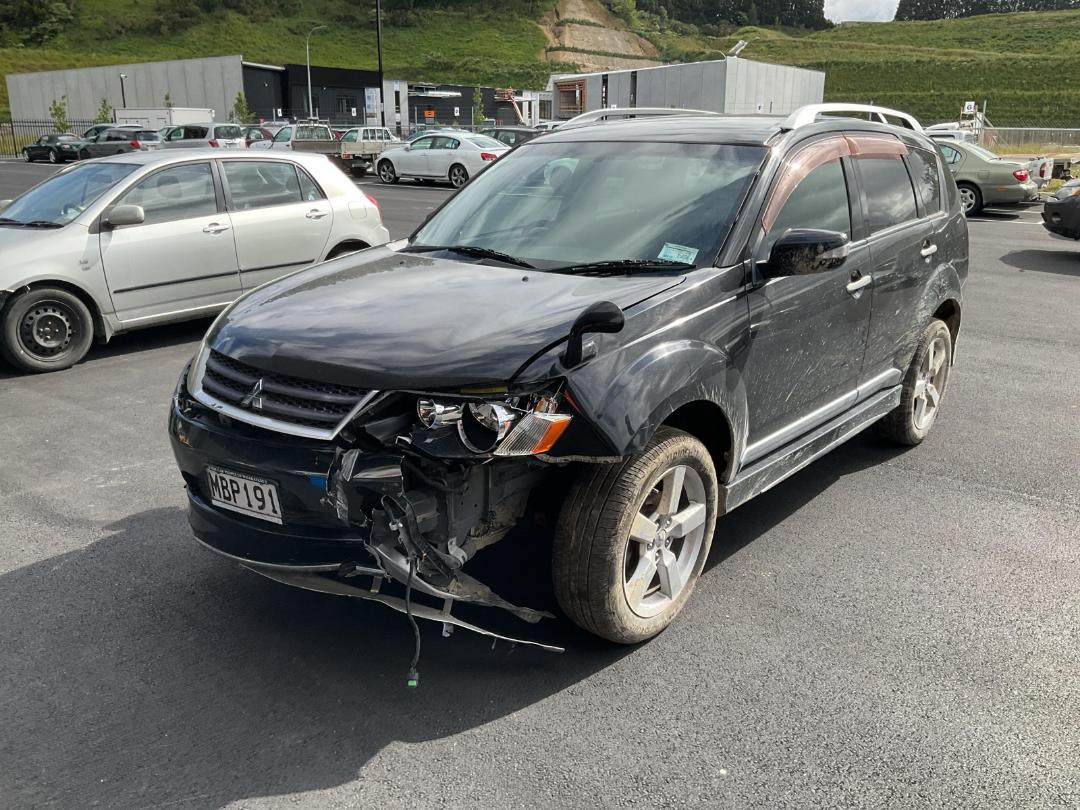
200,136
143,238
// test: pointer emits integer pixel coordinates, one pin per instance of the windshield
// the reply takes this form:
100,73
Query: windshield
64,196
560,204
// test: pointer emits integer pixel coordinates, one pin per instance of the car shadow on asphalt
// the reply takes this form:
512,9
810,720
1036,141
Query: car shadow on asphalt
142,670
130,343
1063,262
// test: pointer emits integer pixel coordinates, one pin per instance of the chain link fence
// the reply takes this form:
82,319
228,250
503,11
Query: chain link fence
1031,140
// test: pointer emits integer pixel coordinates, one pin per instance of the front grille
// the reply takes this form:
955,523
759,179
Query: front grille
284,399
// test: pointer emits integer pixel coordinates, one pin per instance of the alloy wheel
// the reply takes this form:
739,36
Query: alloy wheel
52,156
458,176
48,329
930,382
386,172
665,541
967,199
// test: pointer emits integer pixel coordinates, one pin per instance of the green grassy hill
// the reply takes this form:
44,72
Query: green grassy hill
1026,65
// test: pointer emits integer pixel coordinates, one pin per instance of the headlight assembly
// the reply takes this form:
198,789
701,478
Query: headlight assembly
521,425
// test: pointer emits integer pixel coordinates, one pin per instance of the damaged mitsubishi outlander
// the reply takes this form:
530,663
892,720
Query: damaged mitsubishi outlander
632,326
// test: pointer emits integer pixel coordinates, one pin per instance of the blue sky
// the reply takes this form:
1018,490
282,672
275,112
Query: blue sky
840,10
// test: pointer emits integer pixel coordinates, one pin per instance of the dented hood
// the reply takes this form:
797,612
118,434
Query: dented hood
386,320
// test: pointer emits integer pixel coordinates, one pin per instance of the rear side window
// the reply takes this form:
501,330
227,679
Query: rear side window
890,199
924,171
194,133
259,184
228,132
820,201
313,134
951,155
308,189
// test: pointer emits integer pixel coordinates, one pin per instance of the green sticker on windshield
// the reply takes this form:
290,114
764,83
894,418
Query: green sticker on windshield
678,253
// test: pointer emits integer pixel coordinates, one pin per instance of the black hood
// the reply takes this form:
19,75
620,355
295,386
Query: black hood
386,320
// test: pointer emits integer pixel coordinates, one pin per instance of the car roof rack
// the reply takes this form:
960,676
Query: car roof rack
804,116
610,113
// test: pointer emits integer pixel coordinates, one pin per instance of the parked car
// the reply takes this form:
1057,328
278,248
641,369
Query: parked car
361,147
511,136
986,179
97,129
53,148
200,136
643,324
1061,215
256,134
117,141
423,131
455,158
142,238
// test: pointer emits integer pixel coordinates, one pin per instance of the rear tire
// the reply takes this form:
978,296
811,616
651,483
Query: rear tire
387,173
923,389
458,175
45,329
633,538
52,156
970,198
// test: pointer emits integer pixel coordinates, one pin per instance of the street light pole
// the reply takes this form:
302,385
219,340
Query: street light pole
378,48
123,95
307,49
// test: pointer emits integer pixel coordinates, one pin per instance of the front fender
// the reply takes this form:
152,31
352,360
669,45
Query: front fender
628,405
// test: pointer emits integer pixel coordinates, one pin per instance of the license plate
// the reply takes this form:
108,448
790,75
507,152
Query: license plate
246,494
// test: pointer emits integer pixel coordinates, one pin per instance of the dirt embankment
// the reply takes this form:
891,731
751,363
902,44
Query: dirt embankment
603,45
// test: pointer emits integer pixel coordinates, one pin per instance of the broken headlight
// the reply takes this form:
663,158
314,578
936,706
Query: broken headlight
516,426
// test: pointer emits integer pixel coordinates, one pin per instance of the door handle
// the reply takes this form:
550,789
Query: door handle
214,227
929,249
857,284
315,213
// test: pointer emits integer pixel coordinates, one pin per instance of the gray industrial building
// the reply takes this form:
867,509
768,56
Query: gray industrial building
735,86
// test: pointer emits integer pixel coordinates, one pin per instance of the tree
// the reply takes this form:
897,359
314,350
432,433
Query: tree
104,112
241,113
58,112
478,106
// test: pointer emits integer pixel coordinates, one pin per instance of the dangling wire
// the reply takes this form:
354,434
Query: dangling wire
412,679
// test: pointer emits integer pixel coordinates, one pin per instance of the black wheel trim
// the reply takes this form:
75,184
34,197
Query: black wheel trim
47,330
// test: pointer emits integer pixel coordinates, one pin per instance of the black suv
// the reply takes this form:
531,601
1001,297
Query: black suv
631,326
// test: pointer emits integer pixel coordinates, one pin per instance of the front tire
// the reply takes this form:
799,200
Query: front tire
26,156
46,329
387,174
971,199
52,156
459,175
633,538
923,389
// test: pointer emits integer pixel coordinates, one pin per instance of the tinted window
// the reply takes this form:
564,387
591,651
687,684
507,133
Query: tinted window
890,199
819,201
308,189
951,155
177,193
146,135
117,135
924,169
228,132
193,133
258,184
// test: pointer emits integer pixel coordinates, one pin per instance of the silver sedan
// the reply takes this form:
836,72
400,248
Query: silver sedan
142,238
455,158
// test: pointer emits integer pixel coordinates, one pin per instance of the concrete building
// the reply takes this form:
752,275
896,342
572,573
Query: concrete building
735,86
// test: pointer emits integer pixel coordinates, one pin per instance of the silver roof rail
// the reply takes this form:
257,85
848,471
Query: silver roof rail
804,116
609,113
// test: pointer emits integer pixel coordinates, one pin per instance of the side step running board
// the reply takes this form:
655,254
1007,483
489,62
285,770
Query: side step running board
788,460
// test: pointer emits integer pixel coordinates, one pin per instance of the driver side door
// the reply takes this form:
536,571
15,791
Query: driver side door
182,258
412,160
808,332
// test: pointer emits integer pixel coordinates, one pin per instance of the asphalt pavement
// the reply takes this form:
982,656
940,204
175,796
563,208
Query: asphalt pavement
885,629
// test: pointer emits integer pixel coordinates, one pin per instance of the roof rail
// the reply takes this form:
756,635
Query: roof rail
804,116
599,116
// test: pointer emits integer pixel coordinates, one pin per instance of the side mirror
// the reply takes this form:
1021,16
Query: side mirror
603,316
125,215
806,251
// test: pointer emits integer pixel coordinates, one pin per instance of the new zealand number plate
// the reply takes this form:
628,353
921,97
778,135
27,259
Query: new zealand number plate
254,497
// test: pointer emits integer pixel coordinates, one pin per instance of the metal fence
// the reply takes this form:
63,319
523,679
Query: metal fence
15,134
1031,140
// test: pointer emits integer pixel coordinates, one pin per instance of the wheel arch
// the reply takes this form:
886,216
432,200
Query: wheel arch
949,312
346,246
102,330
706,421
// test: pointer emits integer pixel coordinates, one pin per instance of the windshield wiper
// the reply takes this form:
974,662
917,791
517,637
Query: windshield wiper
33,223
471,250
622,265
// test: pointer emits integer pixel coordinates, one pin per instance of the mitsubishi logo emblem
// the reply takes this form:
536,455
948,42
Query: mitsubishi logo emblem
253,398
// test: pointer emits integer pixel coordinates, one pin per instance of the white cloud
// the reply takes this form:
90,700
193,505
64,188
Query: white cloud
842,10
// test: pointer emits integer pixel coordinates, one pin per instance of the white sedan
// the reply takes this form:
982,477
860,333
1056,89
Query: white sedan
143,238
455,157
